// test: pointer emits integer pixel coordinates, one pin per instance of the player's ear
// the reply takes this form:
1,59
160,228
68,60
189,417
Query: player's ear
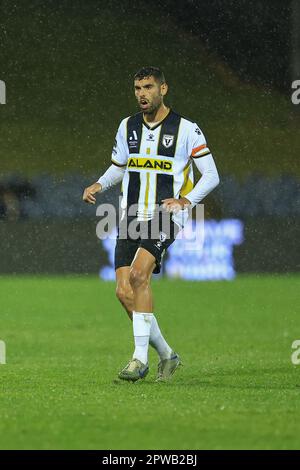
163,89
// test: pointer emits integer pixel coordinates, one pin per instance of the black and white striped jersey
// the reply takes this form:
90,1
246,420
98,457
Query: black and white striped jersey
157,160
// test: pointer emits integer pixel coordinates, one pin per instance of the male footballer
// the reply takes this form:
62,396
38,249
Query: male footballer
152,156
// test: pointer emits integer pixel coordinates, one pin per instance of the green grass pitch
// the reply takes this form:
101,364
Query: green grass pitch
67,338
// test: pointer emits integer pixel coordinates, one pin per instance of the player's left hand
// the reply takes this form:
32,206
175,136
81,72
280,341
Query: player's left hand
175,205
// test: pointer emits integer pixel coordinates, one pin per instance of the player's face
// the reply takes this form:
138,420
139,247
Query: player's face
149,94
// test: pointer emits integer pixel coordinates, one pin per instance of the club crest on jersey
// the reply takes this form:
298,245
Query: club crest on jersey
167,140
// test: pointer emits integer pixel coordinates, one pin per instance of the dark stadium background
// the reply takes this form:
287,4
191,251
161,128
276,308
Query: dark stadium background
68,70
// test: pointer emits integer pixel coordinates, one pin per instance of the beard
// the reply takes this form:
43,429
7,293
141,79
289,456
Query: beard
151,108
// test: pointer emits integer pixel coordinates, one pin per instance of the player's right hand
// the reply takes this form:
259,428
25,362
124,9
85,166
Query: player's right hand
88,193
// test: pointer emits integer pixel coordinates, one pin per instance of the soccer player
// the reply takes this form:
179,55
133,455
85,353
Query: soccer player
153,156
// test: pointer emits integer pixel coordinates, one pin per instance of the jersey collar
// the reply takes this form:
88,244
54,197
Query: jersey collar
158,124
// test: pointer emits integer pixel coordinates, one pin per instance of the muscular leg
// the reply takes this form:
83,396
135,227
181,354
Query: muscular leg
140,278
124,290
140,296
133,283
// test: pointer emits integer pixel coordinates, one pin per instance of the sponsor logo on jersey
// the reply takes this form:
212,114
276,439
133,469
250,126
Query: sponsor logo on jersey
150,164
151,137
167,140
133,139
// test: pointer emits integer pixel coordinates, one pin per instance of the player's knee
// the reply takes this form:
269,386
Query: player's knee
137,278
124,295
